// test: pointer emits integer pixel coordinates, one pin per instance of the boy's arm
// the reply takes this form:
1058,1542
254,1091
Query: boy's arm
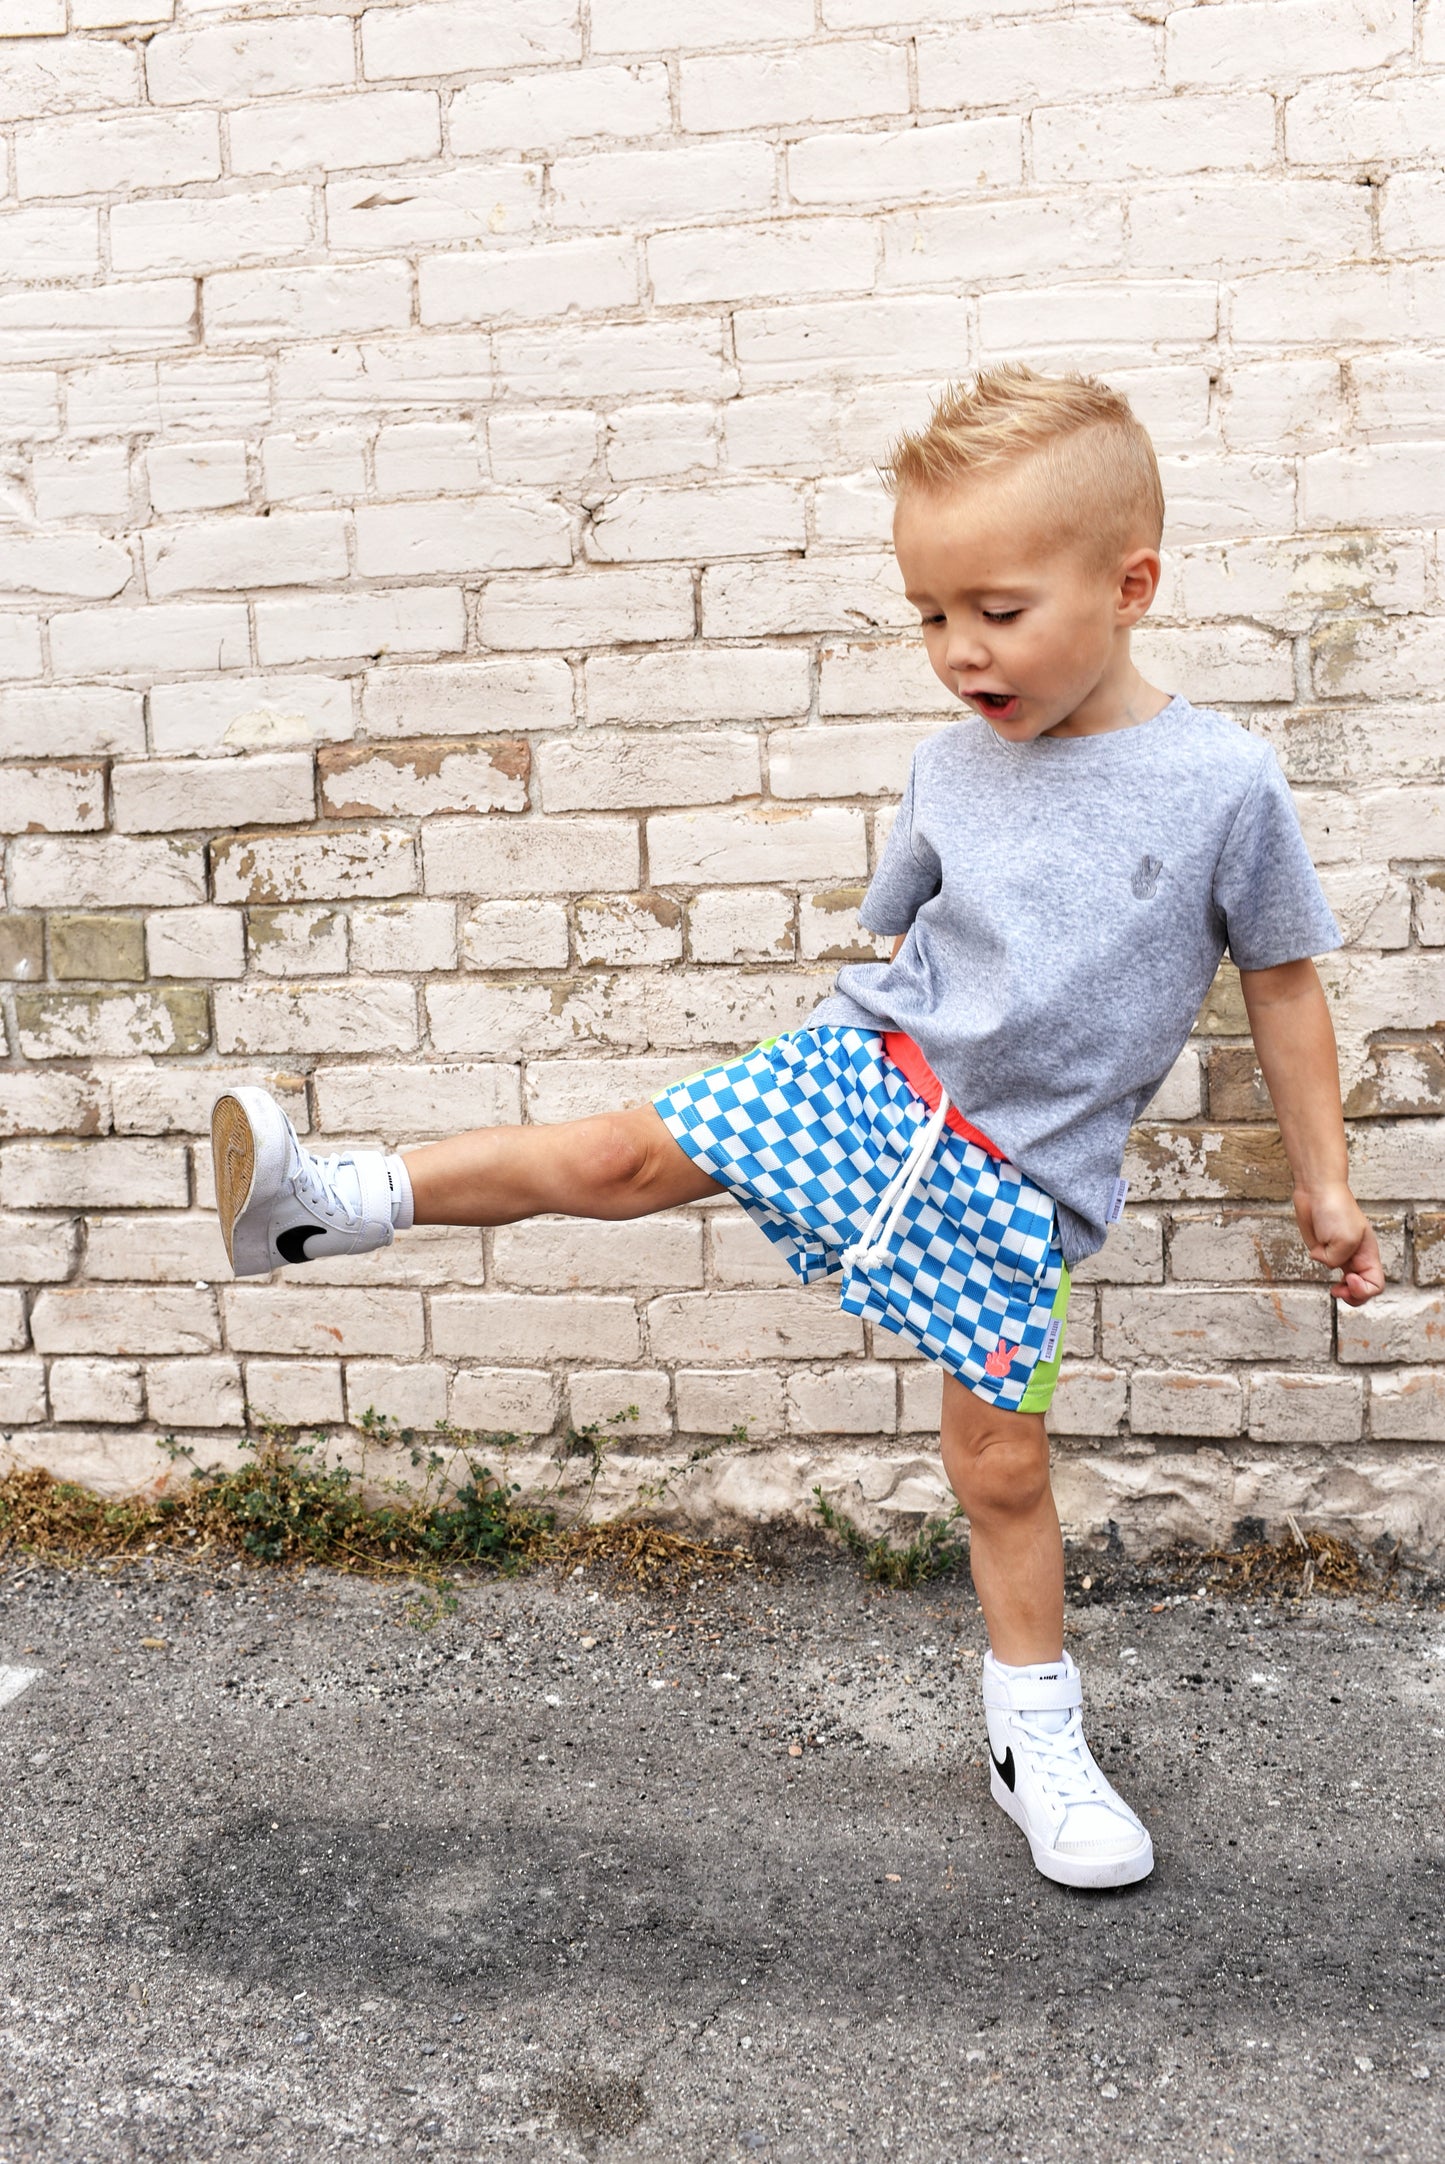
1295,1040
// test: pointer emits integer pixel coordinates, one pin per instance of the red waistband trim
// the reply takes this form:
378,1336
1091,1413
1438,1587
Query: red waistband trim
922,1080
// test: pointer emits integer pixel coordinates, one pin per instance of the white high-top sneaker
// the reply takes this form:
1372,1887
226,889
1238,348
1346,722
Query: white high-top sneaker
280,1203
1080,1831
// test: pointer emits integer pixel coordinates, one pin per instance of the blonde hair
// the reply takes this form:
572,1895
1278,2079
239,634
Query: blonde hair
1094,464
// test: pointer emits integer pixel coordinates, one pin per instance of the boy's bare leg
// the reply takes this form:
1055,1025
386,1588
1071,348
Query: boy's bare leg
620,1164
998,1466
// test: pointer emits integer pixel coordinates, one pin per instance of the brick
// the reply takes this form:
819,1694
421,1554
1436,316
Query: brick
1308,1409
548,1254
233,62
429,458
529,285
740,924
794,1326
195,943
1159,312
537,111
195,1393
13,1334
20,653
110,1025
376,1016
90,720
854,1400
608,771
1408,1405
78,1176
545,449
1088,1400
334,627
621,929
1232,1245
57,324
326,462
122,1320
296,942
32,404
404,936
829,931
425,776
249,713
909,166
102,152
97,948
1045,238
596,1395
738,848
588,608
1229,225
699,684
1026,64
648,26
448,37
1242,662
504,1401
412,1394
1150,139
33,19
336,301
404,1103
174,1250
1302,37
781,432
52,1104
196,476
849,338
1397,1325
22,1393
1291,583
1337,306
495,533
111,871
283,1319
713,1401
60,798
37,1250
1357,122
881,677
106,1390
412,373
722,92
1170,1163
376,127
763,600
362,862
83,566
274,791
741,1254
294,1393
612,360
1145,1322
467,205
871,759
567,1089
289,549
81,74
468,697
1172,1401
1412,217
515,935
745,518
515,1326
644,442
1406,1078
214,395
1279,406
641,1009
22,947
149,1100
746,262
530,856
140,642
429,1255
193,233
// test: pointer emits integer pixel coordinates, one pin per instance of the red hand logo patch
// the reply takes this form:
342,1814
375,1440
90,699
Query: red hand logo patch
1000,1360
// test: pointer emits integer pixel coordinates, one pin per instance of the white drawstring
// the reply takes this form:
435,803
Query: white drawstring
896,1196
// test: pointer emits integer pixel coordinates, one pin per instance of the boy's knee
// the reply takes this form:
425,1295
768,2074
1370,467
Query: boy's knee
1000,1464
616,1158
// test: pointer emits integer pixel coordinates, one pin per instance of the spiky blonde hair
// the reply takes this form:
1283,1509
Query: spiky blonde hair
1091,458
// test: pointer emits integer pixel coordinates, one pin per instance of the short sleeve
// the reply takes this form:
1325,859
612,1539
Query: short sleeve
1266,889
907,876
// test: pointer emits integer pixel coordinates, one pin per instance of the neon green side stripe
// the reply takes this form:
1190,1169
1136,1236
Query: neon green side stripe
1040,1391
766,1046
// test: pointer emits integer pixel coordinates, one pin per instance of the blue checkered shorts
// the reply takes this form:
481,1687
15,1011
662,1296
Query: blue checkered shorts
809,1131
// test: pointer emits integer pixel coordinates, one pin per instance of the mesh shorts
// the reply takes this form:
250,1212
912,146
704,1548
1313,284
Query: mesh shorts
808,1131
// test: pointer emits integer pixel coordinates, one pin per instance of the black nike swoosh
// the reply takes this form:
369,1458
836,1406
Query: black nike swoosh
292,1242
1004,1767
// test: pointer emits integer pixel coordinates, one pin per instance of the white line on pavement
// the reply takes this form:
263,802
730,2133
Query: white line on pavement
15,1680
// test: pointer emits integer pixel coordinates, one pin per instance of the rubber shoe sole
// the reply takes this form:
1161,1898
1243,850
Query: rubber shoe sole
233,1154
250,1145
1081,1871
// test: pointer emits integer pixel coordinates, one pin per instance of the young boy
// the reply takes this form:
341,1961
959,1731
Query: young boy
1069,862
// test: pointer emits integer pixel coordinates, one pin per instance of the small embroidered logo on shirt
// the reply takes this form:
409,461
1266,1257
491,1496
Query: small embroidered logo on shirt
1000,1360
1146,879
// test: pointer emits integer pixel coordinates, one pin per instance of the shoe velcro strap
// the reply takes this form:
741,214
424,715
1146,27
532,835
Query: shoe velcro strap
374,1186
1033,1694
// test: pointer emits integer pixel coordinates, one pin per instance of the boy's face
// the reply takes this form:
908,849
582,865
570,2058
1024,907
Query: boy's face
1023,626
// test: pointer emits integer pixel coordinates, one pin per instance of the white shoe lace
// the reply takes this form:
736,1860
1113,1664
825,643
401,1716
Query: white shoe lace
1063,1763
314,1181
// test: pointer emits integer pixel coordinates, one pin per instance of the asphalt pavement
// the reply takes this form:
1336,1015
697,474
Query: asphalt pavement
296,1869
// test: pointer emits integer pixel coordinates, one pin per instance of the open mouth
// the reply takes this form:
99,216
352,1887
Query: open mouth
998,705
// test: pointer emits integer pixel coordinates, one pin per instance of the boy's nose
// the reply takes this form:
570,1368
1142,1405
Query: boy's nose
966,654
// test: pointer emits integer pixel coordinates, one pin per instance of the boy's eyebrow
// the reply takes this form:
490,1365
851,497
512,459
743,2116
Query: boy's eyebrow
1001,591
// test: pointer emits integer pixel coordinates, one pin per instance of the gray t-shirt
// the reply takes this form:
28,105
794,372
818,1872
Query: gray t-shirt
1067,902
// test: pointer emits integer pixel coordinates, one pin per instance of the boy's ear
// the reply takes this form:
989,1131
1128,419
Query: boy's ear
1139,576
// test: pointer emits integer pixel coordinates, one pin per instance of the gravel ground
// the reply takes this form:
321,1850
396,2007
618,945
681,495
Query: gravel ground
579,1873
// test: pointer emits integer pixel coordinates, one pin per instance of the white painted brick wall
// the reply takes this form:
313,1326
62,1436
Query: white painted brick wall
445,614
